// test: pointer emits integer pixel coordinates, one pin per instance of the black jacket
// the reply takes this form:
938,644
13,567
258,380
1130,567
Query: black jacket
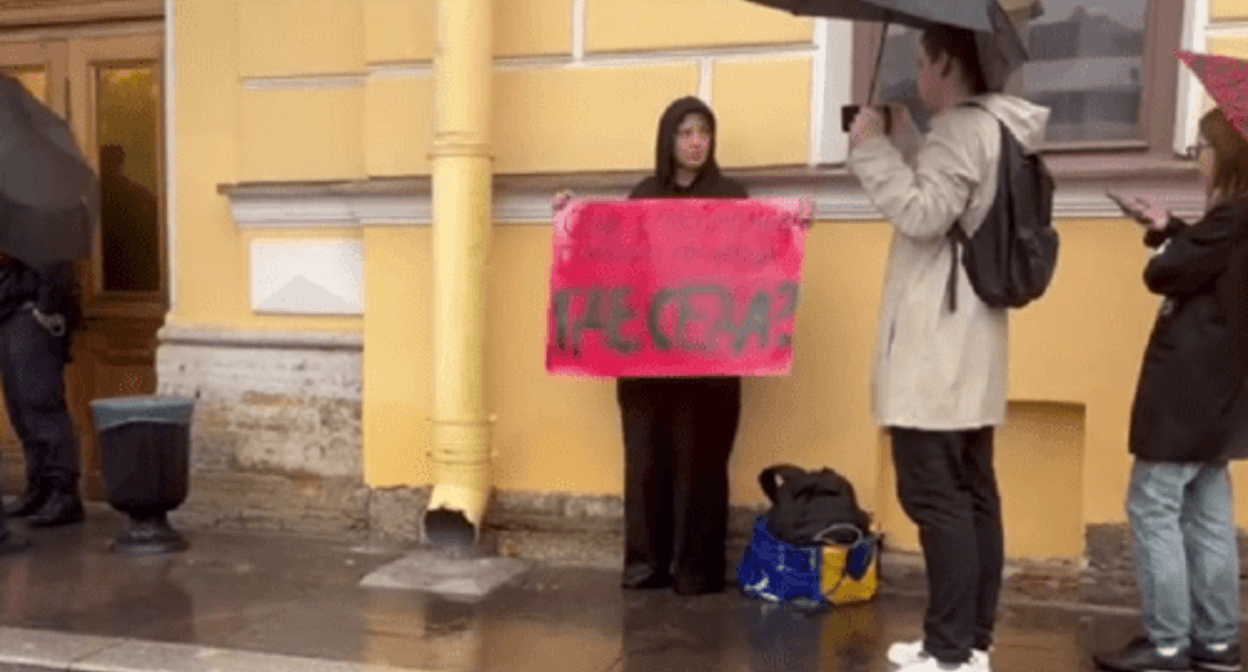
709,183
1191,403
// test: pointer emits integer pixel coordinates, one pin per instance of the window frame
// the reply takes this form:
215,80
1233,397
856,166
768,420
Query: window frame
1155,143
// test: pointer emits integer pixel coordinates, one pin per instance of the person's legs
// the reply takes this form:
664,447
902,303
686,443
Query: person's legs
1155,507
989,534
9,355
37,368
1212,558
36,492
931,485
647,486
1155,503
702,434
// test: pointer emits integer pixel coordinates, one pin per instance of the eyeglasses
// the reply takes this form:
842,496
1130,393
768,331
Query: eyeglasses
1193,151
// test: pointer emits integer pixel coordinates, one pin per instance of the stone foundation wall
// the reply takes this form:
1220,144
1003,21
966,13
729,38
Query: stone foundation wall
275,439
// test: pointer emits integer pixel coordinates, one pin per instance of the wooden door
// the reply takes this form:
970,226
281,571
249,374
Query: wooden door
110,89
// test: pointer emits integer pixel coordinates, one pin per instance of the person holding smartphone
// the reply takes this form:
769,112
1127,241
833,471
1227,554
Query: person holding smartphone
1190,417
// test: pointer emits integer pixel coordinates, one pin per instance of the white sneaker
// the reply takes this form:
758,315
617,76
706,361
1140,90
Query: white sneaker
930,664
905,654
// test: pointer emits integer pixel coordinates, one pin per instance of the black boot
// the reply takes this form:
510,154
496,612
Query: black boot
30,502
62,507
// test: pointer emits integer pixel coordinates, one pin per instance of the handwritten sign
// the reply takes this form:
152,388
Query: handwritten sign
679,287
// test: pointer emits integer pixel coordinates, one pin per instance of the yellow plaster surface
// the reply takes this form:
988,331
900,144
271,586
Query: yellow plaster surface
1226,10
398,125
532,27
404,30
1229,46
292,37
574,119
638,25
398,355
398,30
763,112
301,135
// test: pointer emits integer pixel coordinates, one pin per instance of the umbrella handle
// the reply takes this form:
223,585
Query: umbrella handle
879,57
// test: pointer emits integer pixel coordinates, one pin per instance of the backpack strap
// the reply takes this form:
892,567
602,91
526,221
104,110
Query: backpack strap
957,235
951,286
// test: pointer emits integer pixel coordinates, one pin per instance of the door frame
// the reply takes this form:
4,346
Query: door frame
67,50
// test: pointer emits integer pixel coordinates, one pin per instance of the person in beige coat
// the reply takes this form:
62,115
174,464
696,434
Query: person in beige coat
939,379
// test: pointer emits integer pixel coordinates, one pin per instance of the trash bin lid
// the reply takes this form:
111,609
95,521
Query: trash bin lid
117,411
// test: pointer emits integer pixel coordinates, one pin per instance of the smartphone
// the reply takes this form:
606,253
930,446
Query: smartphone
848,112
1130,210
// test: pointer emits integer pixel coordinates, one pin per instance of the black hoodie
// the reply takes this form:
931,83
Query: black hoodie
709,183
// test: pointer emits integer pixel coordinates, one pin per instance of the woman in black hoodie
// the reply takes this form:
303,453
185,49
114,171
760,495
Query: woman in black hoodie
678,432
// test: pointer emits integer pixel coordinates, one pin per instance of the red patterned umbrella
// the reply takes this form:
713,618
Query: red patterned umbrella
1226,80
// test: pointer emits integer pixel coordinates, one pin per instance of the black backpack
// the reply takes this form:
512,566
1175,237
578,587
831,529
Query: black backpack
810,507
1011,258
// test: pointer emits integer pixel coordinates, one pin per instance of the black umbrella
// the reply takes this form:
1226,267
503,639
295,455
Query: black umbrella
49,196
1001,51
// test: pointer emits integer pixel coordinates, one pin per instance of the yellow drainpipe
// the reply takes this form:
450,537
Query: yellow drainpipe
462,163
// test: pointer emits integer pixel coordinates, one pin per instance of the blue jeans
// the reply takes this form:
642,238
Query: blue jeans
1187,560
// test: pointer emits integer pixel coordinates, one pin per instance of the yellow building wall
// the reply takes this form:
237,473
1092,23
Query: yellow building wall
368,112
632,25
211,255
296,37
1228,10
398,333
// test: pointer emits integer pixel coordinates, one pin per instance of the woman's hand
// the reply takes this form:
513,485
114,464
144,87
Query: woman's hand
806,212
1150,212
561,200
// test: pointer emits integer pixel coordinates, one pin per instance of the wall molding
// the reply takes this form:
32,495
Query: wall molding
525,200
700,57
234,338
68,12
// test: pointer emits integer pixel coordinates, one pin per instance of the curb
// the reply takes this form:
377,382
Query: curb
24,650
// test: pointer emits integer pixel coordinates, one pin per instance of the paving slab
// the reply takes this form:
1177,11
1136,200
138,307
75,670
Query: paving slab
435,572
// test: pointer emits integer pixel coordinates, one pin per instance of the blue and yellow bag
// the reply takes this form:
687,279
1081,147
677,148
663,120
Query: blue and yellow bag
826,574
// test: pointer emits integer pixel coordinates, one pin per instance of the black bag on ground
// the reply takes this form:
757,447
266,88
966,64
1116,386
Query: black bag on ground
1012,256
805,504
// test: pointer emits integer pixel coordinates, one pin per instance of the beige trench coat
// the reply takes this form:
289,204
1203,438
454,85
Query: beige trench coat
935,369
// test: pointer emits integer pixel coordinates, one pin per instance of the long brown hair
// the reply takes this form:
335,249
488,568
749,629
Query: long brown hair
1230,184
1230,151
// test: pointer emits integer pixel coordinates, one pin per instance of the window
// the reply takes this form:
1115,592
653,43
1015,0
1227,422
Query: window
1104,68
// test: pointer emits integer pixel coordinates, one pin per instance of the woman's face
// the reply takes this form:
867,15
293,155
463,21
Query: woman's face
693,141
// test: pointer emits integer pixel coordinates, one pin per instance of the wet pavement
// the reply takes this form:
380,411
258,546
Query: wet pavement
299,596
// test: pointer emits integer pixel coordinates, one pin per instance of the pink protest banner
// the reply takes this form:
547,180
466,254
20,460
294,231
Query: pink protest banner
680,287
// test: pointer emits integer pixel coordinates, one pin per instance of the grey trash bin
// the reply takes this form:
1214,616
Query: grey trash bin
145,457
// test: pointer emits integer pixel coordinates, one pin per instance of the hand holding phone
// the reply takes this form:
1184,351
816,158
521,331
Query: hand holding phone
1141,210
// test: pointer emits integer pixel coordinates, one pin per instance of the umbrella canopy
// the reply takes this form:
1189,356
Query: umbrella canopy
1226,80
49,196
1001,51
972,14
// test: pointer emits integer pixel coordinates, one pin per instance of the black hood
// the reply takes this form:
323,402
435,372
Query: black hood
709,182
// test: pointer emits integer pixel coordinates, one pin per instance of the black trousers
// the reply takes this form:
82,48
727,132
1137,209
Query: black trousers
678,434
32,362
947,486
